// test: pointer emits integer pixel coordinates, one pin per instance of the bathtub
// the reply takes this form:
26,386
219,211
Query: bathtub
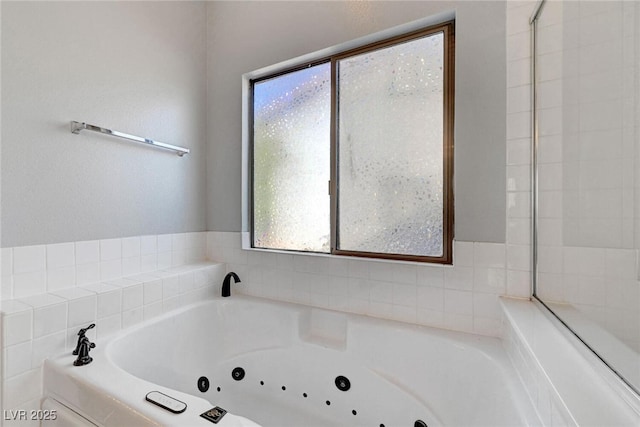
279,364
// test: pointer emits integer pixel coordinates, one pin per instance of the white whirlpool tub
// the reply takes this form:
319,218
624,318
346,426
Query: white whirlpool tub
277,364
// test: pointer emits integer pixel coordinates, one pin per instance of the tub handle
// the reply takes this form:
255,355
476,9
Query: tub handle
83,347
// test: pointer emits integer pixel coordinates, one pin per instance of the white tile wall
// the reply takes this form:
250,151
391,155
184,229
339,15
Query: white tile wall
32,270
43,308
462,297
587,161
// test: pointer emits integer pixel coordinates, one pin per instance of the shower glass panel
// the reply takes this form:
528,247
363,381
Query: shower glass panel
587,79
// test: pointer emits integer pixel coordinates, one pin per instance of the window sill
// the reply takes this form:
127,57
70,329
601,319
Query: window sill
246,246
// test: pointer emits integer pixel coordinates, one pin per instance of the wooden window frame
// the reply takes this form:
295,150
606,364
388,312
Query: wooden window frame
448,30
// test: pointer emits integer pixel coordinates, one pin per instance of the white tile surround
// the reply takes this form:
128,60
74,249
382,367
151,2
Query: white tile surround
49,291
113,283
570,274
588,163
462,297
119,282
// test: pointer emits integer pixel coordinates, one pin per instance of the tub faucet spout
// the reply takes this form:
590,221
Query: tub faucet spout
226,285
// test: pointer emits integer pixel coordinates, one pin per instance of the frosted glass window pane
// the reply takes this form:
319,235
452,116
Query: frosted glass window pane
390,149
291,160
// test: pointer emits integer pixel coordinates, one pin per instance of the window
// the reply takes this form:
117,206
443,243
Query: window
353,155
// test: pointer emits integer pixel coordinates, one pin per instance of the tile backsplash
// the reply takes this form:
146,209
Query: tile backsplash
461,297
50,291
32,270
117,283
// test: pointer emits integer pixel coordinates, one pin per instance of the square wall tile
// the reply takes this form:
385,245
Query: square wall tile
108,325
131,266
131,247
518,72
487,326
82,311
486,305
32,283
519,151
148,263
6,287
489,280
60,278
381,292
17,359
87,252
17,327
7,261
519,204
381,271
358,269
148,245
132,297
458,322
87,273
165,243
170,287
109,303
21,388
152,310
178,242
27,259
518,257
403,313
489,255
110,249
47,346
152,291
404,294
518,284
462,254
431,299
428,317
132,317
431,276
49,319
458,302
61,255
460,278
110,270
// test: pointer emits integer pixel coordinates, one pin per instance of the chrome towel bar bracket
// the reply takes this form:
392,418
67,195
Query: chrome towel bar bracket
76,127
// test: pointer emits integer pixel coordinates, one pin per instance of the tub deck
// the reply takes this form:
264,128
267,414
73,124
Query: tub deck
290,356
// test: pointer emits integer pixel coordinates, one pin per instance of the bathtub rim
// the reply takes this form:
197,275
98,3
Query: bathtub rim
540,334
486,347
489,347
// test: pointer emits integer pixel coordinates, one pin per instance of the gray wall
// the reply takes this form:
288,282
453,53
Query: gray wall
172,71
138,67
245,36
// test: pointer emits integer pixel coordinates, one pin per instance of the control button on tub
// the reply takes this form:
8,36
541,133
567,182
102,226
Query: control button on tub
166,402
